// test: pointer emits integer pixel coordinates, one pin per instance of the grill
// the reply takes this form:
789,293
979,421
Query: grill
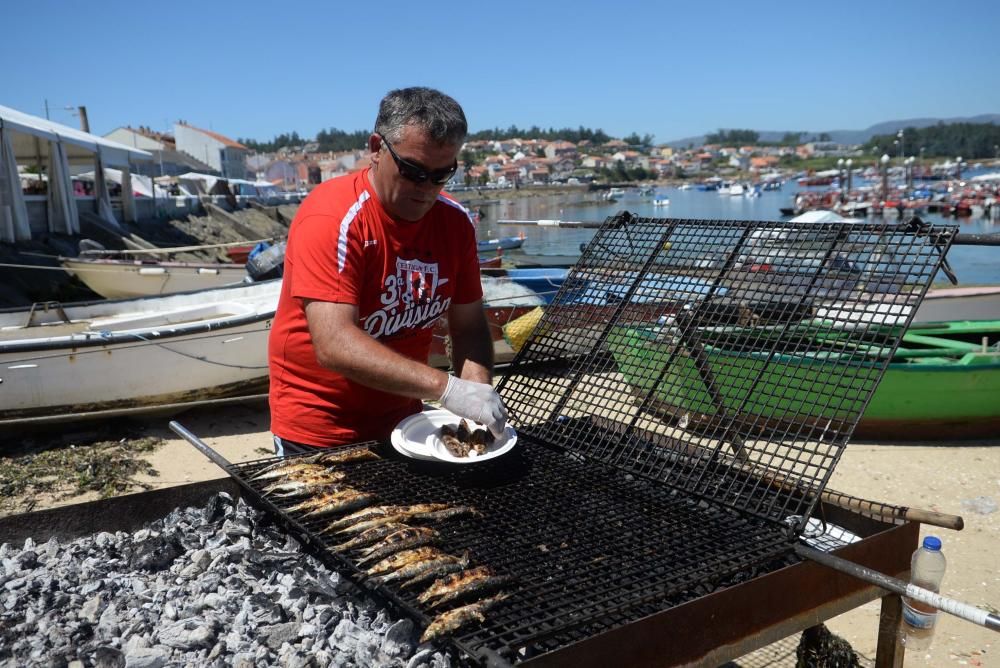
680,407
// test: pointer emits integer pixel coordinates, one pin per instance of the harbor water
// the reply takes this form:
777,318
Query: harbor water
973,265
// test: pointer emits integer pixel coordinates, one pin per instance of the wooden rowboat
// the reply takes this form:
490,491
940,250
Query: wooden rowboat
125,279
108,355
943,383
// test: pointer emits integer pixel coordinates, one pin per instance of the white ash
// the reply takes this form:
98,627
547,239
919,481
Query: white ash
212,586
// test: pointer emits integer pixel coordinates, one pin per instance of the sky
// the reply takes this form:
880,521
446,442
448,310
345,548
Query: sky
669,69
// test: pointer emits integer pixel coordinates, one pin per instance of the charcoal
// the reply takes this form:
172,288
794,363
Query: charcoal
156,553
108,657
203,586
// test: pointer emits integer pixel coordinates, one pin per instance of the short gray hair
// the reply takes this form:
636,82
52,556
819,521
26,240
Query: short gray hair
431,110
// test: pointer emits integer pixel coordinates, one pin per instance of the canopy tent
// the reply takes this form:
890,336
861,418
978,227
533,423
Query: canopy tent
30,140
141,185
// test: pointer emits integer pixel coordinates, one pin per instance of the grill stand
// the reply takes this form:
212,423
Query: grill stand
759,612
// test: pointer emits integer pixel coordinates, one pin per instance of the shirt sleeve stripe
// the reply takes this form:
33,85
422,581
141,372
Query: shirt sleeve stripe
451,202
345,227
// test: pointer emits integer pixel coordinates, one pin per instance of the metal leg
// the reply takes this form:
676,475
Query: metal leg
889,652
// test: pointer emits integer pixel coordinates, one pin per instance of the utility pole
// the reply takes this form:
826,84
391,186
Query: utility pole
47,109
84,123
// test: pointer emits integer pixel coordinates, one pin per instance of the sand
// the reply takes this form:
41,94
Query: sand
934,477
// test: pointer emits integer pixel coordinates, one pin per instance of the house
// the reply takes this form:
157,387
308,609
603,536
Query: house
167,160
560,149
761,163
225,155
594,161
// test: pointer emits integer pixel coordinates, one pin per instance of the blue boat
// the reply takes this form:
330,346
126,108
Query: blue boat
503,243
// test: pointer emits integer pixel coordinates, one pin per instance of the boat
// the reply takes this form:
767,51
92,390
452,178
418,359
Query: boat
965,303
661,201
125,279
504,300
503,243
942,383
543,281
94,357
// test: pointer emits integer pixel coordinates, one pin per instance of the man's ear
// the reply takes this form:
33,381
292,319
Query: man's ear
374,144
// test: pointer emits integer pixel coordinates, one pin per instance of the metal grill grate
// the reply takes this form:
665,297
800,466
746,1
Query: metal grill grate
590,546
728,359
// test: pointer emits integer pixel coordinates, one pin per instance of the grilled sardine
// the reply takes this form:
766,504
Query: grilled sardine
454,582
401,559
369,537
368,514
403,539
396,514
285,469
342,457
299,485
473,588
443,568
452,620
333,502
421,567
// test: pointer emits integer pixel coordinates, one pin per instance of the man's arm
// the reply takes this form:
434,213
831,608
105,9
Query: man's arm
342,346
471,343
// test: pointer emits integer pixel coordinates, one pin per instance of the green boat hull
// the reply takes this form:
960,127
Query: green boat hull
937,387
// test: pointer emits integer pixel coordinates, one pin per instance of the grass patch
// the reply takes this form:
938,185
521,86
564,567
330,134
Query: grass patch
104,466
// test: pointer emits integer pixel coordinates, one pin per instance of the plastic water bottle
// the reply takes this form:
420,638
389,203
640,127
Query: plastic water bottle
926,571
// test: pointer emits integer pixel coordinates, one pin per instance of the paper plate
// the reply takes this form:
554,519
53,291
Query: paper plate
417,437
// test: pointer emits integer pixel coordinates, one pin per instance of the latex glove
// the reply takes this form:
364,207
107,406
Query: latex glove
478,402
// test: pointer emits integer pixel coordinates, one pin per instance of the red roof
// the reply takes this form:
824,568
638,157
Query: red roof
216,136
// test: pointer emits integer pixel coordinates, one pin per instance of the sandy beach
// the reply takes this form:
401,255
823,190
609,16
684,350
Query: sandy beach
944,478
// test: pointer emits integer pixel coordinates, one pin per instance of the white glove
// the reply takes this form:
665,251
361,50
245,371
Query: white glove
478,402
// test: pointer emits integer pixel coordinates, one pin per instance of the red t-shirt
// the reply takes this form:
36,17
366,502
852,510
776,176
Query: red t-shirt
343,247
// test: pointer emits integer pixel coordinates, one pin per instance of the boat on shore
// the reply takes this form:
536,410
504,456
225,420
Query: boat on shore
93,357
942,383
127,279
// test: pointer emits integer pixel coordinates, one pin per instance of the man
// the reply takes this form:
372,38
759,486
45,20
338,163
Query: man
374,259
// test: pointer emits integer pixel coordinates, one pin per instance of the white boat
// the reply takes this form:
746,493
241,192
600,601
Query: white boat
661,201
125,279
736,190
93,357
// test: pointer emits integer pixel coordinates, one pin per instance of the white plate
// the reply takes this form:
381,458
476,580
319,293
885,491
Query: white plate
418,436
410,448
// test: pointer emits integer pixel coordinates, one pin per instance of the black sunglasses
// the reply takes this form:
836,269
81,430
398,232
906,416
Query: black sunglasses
411,171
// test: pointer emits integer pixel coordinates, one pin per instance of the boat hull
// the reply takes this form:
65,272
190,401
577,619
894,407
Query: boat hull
144,352
914,401
117,279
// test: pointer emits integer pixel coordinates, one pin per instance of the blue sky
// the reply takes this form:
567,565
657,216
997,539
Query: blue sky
255,69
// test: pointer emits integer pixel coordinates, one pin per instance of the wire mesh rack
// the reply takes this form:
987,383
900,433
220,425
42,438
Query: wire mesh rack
728,359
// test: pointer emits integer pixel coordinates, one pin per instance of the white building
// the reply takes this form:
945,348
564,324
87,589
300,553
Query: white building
167,161
226,156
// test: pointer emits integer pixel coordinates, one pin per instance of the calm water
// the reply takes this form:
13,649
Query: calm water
973,265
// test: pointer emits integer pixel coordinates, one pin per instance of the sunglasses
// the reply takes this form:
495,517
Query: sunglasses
411,171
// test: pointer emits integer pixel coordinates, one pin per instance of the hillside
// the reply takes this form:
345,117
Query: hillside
853,136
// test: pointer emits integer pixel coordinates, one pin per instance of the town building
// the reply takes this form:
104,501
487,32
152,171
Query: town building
226,156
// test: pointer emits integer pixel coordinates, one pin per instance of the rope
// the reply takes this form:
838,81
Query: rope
148,342
117,269
175,249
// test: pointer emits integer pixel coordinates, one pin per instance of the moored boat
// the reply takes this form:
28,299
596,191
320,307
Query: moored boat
943,383
59,360
503,243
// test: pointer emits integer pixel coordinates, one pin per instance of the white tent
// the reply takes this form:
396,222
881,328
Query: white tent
30,140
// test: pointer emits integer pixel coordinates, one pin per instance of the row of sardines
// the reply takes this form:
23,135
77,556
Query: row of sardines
388,543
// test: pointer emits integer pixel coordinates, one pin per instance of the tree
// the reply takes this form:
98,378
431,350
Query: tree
792,138
739,137
824,136
969,140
